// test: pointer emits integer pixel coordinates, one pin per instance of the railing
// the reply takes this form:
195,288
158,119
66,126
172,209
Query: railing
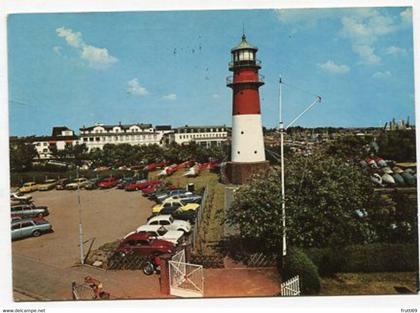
194,234
291,287
245,63
230,80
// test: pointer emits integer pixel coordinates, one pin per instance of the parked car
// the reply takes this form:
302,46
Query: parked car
91,184
29,210
61,183
186,198
170,223
18,196
77,183
47,185
28,187
145,245
188,216
176,192
124,182
108,182
183,206
141,184
23,228
160,232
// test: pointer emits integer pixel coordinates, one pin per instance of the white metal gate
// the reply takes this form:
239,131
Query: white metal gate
291,287
185,280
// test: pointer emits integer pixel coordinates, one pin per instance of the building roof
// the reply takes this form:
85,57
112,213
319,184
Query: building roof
163,127
123,126
56,131
244,45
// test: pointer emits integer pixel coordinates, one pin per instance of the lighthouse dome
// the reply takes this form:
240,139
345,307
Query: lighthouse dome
244,45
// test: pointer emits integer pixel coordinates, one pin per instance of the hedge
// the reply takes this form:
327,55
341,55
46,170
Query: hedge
380,257
298,263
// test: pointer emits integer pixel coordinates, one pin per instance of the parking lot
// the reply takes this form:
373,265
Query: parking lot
107,215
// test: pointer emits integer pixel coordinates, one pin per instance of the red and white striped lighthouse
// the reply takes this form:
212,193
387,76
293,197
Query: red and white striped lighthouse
247,154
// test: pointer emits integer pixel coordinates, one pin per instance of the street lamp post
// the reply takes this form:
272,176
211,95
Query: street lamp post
282,130
82,258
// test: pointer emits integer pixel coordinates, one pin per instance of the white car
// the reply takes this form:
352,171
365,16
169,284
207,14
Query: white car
17,196
160,232
81,182
170,223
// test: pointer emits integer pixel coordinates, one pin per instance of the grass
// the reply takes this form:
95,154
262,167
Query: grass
367,283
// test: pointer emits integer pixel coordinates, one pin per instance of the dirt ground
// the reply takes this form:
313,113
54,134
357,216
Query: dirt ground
107,215
367,283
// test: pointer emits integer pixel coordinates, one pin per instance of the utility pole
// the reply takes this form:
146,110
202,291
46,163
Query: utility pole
82,257
282,130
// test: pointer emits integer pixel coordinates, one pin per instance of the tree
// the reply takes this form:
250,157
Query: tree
325,198
349,146
75,153
21,156
398,145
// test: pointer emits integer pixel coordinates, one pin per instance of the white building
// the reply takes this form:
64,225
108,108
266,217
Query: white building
95,137
203,135
60,138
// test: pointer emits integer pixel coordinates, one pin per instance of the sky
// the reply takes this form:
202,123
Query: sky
170,67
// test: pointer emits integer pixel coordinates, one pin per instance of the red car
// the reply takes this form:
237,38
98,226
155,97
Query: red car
141,184
145,245
108,182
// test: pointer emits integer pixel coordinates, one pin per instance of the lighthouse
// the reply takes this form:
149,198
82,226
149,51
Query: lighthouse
247,152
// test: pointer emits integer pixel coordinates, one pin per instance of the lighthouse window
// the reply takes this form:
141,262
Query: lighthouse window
239,152
242,132
255,151
241,56
247,55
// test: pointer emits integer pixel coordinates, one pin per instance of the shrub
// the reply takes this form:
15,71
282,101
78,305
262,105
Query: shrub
380,257
298,263
328,260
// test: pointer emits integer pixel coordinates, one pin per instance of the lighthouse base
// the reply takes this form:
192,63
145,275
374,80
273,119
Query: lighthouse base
239,173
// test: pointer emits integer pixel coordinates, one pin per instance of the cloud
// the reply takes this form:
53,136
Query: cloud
170,97
407,16
215,96
365,29
134,88
98,58
72,38
397,51
367,54
332,67
382,75
57,49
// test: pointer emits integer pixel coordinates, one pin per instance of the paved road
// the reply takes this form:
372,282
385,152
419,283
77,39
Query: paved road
38,280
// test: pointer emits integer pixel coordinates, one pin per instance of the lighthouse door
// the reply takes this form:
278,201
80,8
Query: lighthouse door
185,279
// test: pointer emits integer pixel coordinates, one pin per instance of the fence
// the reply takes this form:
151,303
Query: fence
194,235
291,287
130,261
260,260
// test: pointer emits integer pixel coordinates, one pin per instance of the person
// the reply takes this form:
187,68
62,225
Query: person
96,286
157,263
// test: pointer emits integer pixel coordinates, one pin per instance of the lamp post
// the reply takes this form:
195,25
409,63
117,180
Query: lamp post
282,130
82,258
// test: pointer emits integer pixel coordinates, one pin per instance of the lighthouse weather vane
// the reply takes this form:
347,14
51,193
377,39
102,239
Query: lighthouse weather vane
282,130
